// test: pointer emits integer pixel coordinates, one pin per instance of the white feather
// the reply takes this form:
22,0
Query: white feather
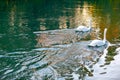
84,28
99,43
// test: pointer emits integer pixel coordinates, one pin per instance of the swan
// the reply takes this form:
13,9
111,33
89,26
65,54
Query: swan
99,43
82,29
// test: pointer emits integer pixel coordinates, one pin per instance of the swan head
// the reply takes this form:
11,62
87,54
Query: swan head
105,30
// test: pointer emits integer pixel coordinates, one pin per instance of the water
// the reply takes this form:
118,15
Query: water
38,41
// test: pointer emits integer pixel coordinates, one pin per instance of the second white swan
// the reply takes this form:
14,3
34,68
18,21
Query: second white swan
98,43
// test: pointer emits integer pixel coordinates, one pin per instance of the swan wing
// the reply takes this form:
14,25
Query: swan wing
82,28
96,43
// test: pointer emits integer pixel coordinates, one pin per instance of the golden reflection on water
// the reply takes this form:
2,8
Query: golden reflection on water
62,22
79,15
99,19
82,15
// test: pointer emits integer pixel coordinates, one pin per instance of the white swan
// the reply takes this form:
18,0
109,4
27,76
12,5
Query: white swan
99,43
82,29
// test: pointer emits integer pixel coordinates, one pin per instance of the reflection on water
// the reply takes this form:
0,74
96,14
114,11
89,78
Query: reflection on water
38,42
107,69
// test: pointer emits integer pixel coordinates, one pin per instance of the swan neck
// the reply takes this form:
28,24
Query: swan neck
90,23
105,31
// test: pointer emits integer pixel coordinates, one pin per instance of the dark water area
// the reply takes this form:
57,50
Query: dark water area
38,41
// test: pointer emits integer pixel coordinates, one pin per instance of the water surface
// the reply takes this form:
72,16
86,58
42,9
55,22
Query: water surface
38,42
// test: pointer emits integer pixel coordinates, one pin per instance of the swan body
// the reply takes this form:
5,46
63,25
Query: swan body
84,28
98,43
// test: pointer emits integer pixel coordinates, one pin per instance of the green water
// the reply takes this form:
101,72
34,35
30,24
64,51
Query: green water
19,20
